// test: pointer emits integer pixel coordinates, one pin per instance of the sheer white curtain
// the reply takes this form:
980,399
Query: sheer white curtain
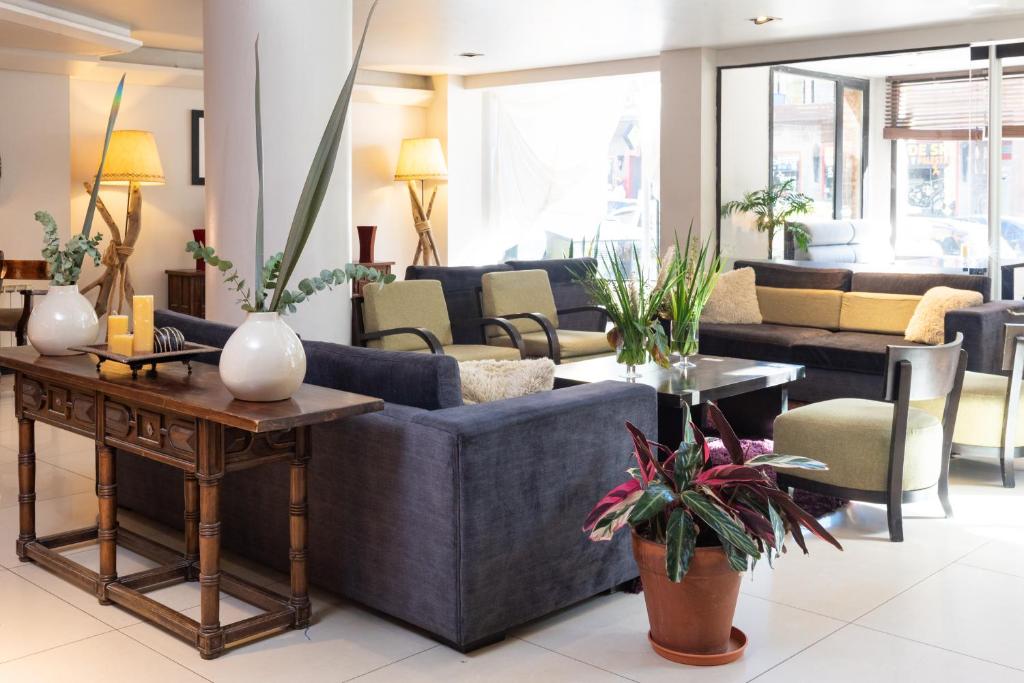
547,165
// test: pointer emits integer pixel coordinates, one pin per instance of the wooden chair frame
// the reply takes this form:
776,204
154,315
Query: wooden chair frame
940,374
1013,361
546,326
360,336
23,270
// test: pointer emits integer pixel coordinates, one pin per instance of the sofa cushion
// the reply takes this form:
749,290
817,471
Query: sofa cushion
464,352
733,300
876,312
484,381
573,344
519,291
800,307
928,324
800,277
918,283
850,351
757,341
412,303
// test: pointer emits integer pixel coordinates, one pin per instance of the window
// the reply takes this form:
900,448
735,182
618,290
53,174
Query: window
818,125
569,161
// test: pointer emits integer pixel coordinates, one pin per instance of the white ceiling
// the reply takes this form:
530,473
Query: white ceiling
426,36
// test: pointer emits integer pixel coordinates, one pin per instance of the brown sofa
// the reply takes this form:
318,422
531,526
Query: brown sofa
840,361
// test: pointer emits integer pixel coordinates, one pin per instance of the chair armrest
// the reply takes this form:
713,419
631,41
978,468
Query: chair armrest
505,326
554,348
433,343
583,309
982,327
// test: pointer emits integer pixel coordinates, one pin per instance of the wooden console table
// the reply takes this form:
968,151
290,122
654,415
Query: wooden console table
193,424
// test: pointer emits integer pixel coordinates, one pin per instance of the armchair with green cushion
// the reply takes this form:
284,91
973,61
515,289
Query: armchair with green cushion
524,298
412,315
887,452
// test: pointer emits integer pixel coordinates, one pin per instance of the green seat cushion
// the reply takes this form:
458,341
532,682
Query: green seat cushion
518,291
982,410
462,352
852,436
573,343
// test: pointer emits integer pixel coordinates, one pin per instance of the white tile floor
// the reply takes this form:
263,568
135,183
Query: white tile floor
946,605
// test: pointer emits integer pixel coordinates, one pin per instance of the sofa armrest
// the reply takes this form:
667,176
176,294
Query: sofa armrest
982,327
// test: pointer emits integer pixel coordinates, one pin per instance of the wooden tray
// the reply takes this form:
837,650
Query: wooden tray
137,362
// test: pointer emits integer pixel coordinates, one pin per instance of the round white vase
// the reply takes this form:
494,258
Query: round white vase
263,359
61,319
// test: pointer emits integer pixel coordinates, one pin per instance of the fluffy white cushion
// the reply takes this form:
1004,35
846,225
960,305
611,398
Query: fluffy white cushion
495,380
928,324
734,299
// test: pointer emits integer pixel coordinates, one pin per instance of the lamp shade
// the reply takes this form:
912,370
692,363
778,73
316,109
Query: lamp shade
132,157
421,159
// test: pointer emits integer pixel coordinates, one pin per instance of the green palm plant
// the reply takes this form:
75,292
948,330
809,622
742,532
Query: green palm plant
774,208
270,291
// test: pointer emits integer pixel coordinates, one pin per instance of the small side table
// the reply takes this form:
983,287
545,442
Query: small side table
382,267
186,292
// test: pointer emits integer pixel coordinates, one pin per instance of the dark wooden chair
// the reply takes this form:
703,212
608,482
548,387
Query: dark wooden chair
888,452
16,319
411,315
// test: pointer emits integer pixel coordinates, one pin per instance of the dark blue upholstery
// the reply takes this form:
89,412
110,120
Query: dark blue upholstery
464,521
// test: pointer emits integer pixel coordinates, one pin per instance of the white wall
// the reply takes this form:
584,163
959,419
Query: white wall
170,211
744,162
377,133
34,152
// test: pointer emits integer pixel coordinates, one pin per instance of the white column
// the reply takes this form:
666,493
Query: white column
305,54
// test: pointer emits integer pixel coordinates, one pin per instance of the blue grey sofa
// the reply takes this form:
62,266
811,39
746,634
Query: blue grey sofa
462,520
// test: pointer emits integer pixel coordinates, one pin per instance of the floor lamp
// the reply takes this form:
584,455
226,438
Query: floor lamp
132,160
422,159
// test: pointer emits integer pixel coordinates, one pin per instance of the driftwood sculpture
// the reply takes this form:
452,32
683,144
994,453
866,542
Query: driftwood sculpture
421,218
115,284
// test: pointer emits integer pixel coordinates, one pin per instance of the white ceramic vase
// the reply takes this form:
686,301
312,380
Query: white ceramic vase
263,359
61,319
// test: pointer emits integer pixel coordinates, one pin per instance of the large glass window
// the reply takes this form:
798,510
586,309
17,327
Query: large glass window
569,162
817,139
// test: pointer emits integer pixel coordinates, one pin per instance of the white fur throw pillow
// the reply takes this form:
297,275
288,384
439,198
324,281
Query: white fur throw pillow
734,299
484,381
928,324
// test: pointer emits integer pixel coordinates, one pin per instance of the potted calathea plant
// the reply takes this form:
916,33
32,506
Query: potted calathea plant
696,528
774,208
263,360
65,318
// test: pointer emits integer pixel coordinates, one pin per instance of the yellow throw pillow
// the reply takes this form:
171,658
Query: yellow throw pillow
800,307
928,325
734,299
877,312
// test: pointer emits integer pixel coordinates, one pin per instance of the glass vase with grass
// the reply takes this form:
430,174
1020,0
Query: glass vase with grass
632,302
692,273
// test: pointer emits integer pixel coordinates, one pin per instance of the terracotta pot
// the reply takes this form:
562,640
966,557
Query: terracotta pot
691,621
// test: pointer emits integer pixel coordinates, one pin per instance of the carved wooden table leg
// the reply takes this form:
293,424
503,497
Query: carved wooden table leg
106,490
299,528
26,485
191,525
211,471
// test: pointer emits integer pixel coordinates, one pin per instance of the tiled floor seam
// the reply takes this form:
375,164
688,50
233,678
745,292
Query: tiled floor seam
177,663
939,647
800,651
581,661
384,666
989,569
56,647
801,609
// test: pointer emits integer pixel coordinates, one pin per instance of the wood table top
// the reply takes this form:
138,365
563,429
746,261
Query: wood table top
201,394
713,378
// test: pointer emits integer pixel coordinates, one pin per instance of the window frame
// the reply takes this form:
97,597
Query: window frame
841,83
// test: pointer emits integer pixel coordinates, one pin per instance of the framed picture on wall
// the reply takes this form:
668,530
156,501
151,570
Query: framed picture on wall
198,147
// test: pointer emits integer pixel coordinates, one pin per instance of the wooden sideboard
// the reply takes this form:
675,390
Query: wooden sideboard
186,292
190,422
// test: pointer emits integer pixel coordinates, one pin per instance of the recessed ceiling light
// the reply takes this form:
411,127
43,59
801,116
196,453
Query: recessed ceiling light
763,19
471,55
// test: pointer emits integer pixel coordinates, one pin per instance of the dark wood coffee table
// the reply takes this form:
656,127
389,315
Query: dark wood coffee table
190,422
750,392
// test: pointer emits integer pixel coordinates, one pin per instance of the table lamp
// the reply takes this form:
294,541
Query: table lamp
132,160
422,159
